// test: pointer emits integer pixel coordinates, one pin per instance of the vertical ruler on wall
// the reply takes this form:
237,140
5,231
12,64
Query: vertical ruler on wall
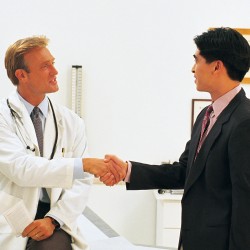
76,90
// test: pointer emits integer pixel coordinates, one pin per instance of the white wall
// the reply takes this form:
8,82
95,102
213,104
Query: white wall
137,58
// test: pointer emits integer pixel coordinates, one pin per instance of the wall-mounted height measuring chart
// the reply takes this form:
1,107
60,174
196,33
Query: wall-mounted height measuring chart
76,90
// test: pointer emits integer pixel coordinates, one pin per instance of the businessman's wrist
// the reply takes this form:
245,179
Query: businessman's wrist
128,172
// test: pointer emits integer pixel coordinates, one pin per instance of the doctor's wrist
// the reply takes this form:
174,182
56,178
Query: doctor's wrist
55,223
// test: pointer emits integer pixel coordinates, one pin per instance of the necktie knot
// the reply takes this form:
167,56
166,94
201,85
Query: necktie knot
35,113
206,119
209,110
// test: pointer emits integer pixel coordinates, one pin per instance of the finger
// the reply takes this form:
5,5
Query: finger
26,232
114,158
115,170
111,158
110,184
35,236
43,229
41,237
107,158
120,168
109,181
107,177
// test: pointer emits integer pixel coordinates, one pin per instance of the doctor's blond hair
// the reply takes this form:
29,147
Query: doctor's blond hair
14,56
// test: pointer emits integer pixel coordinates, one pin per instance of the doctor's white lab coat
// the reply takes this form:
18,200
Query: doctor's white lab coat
23,172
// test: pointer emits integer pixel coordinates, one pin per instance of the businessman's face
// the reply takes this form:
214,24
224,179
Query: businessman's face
203,73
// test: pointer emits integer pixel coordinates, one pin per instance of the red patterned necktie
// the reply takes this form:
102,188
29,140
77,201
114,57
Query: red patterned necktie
204,127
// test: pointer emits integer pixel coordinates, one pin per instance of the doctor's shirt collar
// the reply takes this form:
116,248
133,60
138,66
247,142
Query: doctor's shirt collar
43,105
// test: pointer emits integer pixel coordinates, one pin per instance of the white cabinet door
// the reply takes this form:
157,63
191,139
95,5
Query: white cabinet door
171,237
168,219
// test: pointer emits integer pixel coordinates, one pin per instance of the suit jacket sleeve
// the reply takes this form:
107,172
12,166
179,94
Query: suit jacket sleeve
166,176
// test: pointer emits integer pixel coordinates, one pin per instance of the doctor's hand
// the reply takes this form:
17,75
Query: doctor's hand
39,229
120,166
99,168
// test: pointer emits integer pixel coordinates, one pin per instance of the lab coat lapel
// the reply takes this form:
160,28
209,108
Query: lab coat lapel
49,140
27,127
49,135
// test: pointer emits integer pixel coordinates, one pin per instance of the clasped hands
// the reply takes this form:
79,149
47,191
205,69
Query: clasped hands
110,170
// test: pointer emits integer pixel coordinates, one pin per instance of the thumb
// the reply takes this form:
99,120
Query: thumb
107,158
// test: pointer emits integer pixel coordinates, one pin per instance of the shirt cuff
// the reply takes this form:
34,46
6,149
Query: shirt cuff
55,218
78,169
127,178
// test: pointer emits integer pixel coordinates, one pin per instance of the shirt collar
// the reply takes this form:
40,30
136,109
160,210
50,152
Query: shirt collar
220,104
43,106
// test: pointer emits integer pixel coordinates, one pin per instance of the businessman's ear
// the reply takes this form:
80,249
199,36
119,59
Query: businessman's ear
218,65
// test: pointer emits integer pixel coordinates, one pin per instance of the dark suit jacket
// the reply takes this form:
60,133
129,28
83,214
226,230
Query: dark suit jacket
216,199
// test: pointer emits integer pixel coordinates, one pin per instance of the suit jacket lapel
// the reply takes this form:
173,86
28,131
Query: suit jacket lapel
195,168
195,140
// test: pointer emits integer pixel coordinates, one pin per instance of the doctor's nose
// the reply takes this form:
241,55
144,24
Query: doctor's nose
53,70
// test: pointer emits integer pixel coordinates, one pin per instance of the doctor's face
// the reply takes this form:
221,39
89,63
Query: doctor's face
41,77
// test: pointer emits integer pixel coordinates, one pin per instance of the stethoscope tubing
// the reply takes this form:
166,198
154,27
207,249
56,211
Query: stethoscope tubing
20,126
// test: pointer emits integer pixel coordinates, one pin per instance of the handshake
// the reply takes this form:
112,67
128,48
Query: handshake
110,170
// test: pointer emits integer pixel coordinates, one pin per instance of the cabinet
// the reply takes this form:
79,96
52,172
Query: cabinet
168,219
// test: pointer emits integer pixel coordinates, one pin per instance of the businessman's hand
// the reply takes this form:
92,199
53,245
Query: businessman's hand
120,166
99,168
39,229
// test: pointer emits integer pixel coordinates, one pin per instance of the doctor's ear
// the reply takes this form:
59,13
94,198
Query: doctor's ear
21,74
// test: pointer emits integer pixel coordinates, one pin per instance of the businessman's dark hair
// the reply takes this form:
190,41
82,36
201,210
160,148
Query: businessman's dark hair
228,46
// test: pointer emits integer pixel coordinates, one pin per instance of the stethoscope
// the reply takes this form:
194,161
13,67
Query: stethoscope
20,126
